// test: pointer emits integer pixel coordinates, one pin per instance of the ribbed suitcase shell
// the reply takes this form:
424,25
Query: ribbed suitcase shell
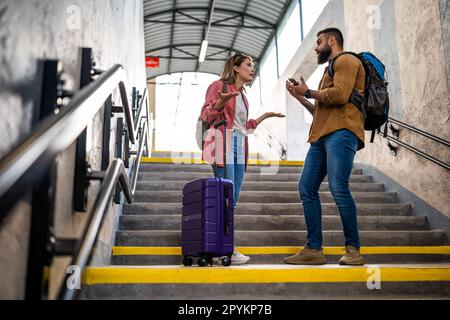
204,219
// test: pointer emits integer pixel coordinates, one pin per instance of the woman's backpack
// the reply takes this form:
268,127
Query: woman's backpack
203,126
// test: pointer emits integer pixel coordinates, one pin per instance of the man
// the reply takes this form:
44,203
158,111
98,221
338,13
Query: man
336,133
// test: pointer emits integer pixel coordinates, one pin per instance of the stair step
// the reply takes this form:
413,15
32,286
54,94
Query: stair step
363,209
271,281
152,260
167,155
277,222
274,255
269,220
150,167
255,186
274,169
255,177
195,159
283,238
269,197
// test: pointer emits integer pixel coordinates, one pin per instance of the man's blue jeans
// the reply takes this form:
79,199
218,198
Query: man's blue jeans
332,154
235,164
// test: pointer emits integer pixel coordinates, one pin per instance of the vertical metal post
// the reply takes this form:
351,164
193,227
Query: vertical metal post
301,19
260,88
147,143
152,114
133,101
41,241
106,132
126,155
119,148
276,53
81,182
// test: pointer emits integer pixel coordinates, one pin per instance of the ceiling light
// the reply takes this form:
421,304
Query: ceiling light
202,55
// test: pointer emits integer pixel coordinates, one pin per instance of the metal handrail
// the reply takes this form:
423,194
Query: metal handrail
53,135
411,148
115,172
421,132
127,112
56,133
139,111
28,163
417,151
137,161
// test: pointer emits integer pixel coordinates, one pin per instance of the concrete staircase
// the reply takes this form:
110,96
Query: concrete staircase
411,260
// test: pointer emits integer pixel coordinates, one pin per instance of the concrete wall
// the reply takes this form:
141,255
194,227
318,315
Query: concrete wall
31,30
412,39
417,72
444,9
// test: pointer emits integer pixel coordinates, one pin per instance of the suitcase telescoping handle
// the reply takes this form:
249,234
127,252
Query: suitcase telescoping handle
216,125
226,189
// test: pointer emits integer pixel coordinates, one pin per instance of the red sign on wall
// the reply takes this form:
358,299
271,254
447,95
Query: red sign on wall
151,62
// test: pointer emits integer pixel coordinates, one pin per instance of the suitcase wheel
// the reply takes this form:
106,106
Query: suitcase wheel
187,261
226,261
202,262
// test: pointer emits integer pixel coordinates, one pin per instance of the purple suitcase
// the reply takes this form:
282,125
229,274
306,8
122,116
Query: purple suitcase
207,226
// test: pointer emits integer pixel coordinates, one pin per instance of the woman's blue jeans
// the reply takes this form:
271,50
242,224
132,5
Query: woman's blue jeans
235,164
332,154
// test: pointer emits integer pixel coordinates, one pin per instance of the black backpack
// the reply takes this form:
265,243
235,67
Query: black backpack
375,103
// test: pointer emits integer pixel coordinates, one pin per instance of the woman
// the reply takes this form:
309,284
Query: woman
225,100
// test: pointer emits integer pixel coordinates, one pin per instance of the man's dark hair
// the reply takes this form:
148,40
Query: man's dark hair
333,32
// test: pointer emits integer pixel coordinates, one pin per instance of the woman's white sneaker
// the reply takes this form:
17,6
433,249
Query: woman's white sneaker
238,258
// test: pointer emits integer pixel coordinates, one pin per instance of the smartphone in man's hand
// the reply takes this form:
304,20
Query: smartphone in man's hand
293,81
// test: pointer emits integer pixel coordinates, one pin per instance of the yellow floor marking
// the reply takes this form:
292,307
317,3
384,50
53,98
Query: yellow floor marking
199,161
124,250
263,274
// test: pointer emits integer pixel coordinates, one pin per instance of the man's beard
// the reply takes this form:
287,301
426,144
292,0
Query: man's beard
323,55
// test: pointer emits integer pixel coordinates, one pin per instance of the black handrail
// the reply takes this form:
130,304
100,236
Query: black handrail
417,151
56,133
137,161
421,132
411,148
115,172
28,163
24,165
139,110
127,112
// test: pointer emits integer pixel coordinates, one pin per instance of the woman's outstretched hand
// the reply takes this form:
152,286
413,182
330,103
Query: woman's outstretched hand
223,98
269,115
274,114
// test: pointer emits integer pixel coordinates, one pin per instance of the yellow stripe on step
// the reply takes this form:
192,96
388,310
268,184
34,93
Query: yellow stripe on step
173,160
275,162
263,274
199,161
161,251
190,152
124,251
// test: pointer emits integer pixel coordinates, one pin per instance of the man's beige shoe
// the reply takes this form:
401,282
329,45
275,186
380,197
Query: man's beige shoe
352,257
307,256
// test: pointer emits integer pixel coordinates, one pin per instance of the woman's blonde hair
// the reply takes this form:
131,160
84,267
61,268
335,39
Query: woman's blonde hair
229,75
